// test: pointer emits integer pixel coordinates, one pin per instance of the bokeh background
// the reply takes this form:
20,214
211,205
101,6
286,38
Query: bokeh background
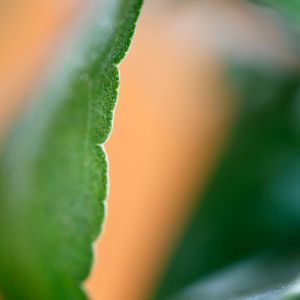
174,115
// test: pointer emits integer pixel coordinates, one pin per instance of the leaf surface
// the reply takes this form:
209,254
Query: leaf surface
53,169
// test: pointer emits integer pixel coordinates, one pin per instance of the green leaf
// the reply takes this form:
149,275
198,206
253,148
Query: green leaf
252,203
53,169
260,278
288,8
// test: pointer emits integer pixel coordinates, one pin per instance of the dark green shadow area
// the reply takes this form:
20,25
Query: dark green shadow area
252,203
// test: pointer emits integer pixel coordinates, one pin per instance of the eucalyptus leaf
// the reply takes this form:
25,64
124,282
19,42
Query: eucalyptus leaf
53,169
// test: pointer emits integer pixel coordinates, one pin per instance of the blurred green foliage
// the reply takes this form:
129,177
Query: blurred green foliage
243,241
288,8
252,204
